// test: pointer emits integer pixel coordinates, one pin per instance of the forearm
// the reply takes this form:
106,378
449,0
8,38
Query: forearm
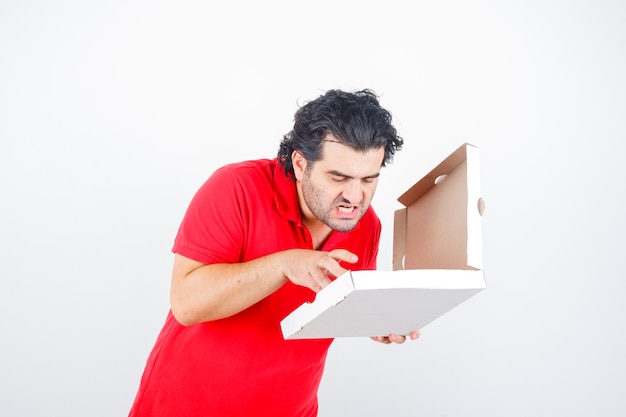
210,292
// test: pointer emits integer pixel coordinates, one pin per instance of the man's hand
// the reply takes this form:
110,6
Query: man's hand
311,269
395,338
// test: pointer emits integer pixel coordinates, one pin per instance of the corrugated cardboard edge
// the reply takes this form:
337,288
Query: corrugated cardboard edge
474,210
399,239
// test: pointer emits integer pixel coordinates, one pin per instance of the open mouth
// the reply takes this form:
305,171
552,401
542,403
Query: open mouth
347,212
346,209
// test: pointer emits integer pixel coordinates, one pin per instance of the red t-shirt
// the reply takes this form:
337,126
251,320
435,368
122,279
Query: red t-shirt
241,365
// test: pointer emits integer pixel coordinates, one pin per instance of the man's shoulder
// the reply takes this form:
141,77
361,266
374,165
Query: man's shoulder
252,165
254,170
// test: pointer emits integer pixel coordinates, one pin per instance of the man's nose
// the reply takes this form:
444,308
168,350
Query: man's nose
353,192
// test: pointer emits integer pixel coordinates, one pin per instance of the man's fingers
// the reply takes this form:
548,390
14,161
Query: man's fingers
343,255
321,280
312,269
331,267
331,262
396,338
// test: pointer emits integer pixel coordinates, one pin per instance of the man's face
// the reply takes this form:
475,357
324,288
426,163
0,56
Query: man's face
337,189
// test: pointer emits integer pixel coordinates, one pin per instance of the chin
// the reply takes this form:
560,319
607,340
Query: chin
343,226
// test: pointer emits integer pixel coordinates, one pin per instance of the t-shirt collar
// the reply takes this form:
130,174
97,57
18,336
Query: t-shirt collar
286,194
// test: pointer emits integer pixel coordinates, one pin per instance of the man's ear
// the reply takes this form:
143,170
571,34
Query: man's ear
299,164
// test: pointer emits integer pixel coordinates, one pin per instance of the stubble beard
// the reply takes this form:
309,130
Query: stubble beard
314,199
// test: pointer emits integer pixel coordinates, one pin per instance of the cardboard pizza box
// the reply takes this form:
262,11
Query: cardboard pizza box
437,262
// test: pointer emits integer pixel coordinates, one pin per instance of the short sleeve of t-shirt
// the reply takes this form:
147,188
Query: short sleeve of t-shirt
212,228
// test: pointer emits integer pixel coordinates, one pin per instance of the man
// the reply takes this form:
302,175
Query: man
258,239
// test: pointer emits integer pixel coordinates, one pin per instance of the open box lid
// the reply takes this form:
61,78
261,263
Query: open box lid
437,262
440,226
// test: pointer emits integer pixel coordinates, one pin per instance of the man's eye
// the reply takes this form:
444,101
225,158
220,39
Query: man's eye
338,179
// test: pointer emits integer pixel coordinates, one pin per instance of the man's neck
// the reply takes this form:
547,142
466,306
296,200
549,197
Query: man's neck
319,232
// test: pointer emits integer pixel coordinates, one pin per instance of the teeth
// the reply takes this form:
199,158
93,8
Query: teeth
346,209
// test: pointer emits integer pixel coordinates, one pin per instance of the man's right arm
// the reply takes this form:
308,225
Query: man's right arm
202,292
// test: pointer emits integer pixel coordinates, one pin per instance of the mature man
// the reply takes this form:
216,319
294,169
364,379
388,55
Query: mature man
259,238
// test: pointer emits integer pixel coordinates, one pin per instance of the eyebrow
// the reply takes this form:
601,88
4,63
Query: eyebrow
340,174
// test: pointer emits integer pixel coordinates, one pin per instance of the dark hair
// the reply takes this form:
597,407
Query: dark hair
354,119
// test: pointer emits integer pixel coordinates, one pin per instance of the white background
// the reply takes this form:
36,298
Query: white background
113,113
